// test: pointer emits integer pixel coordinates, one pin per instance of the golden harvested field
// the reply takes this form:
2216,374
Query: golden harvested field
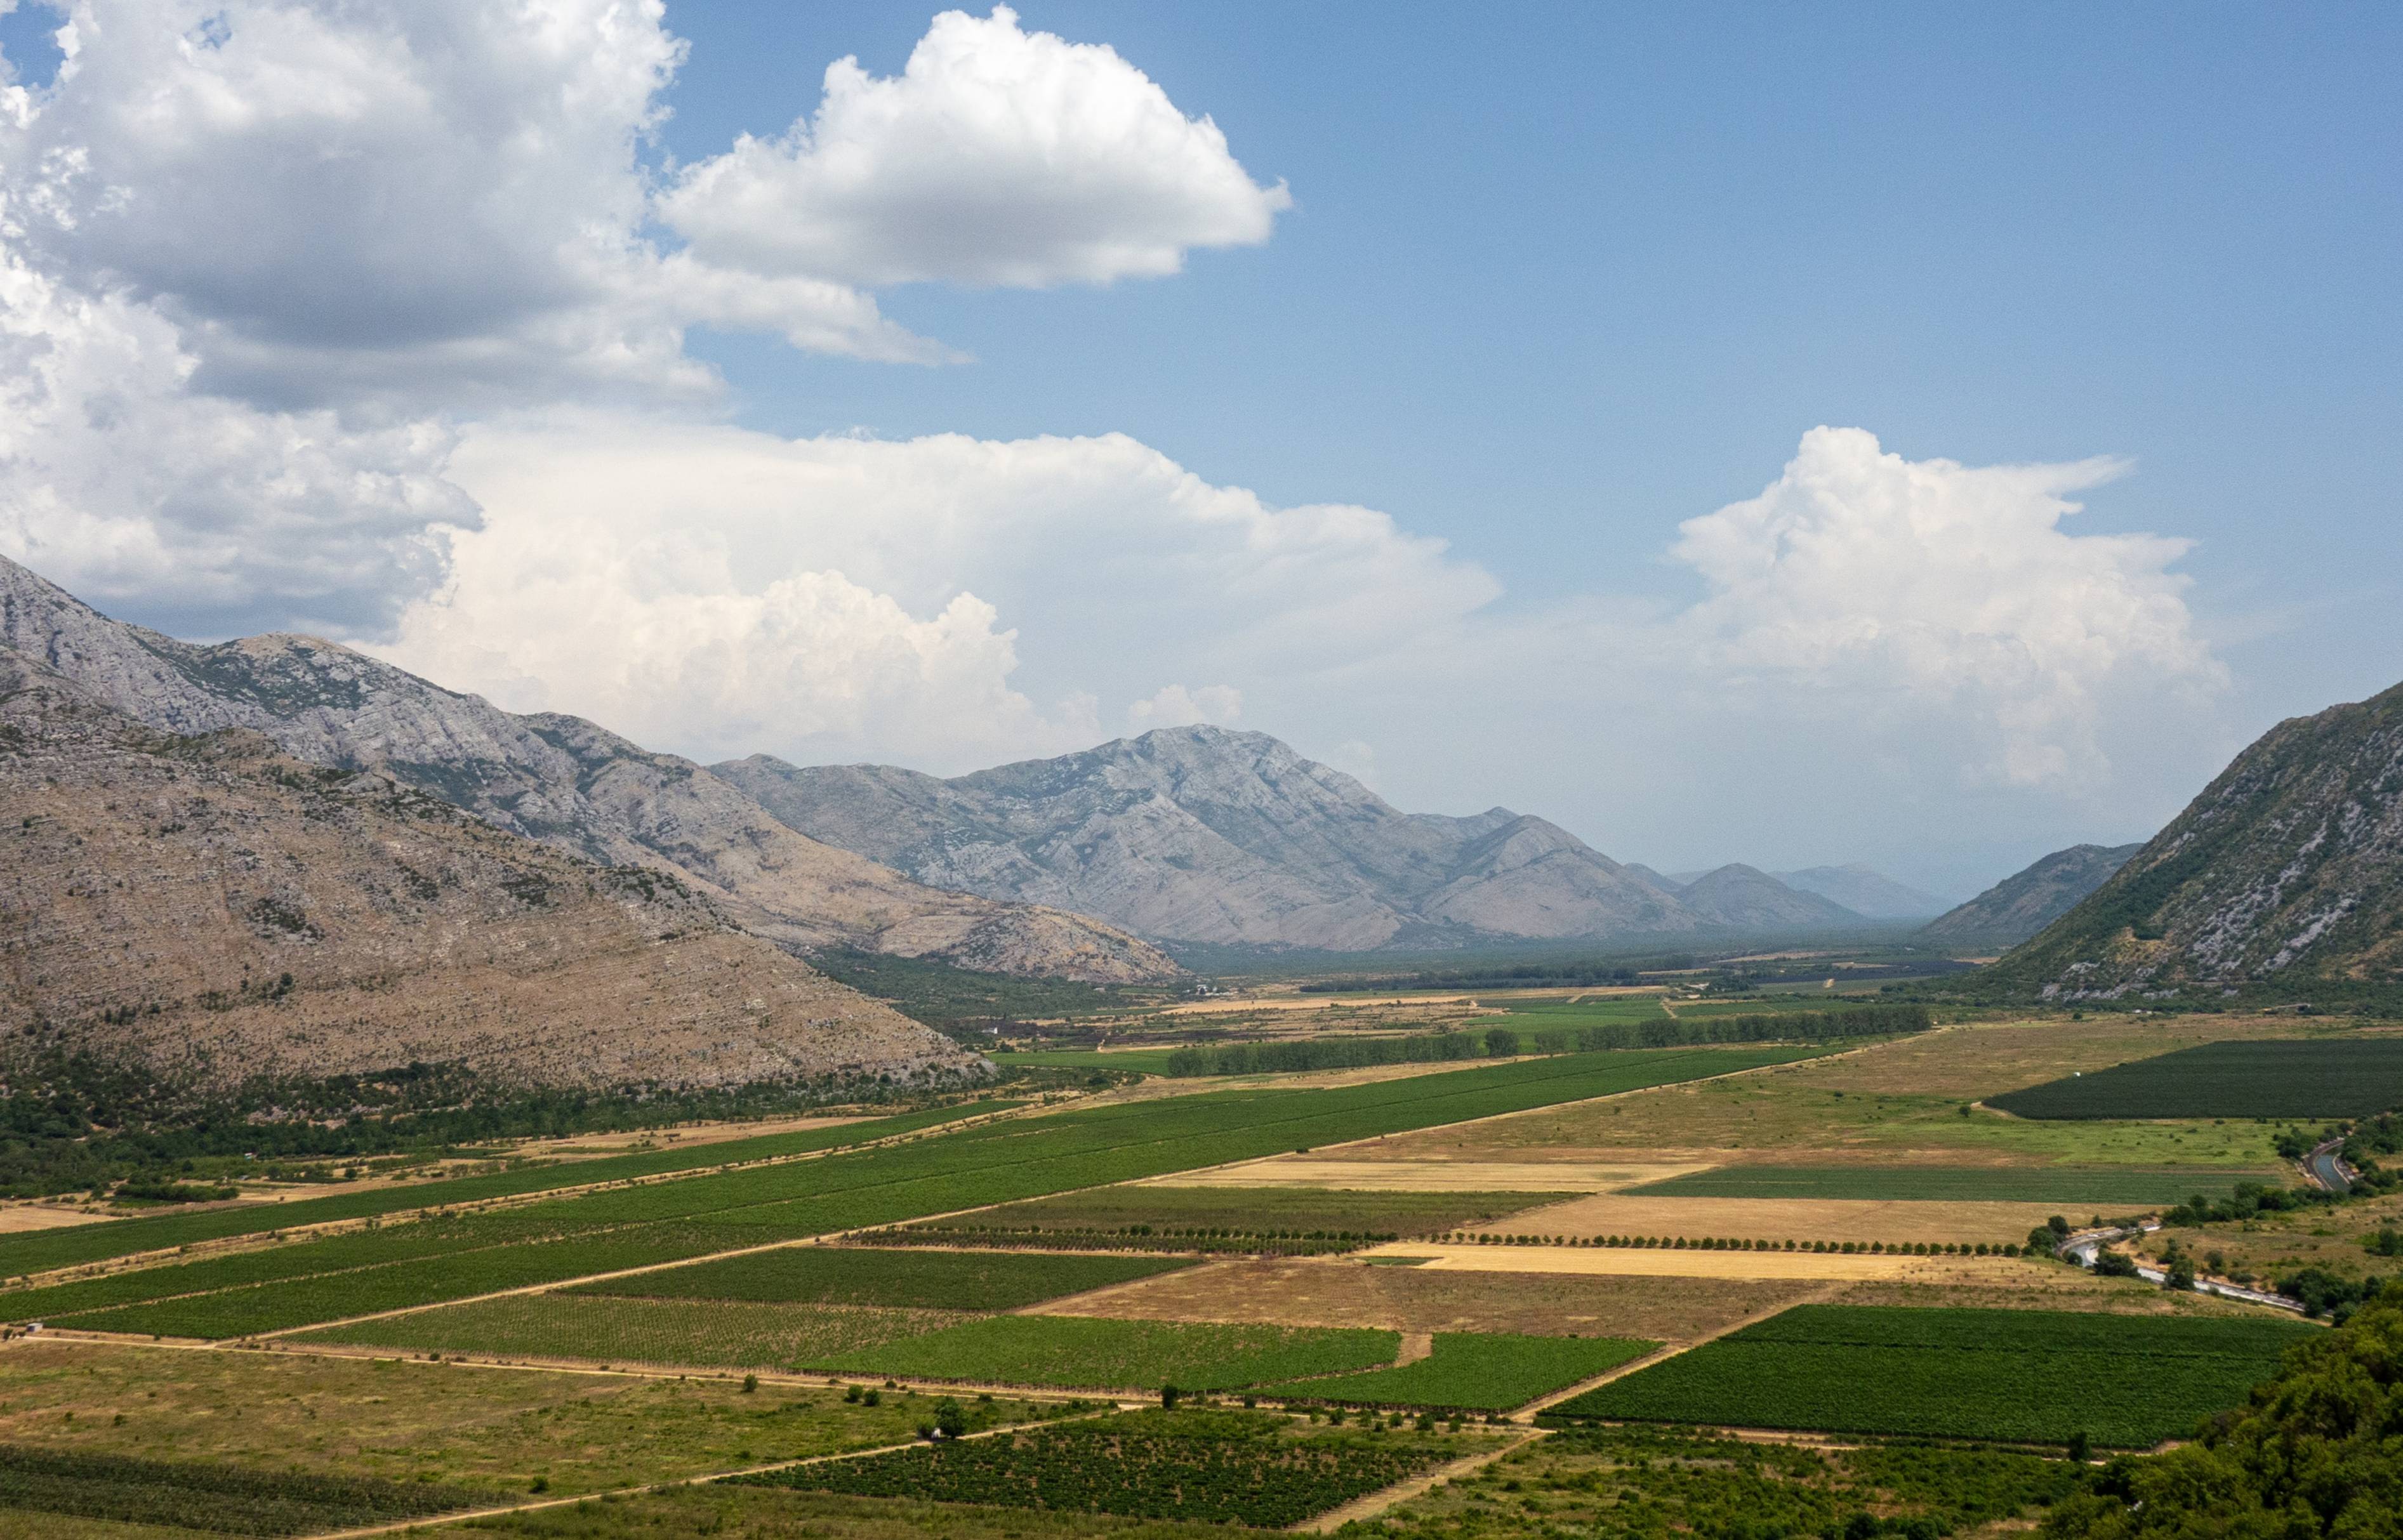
1341,1292
404,1420
18,1218
1644,1262
1430,1176
1779,1220
1891,1101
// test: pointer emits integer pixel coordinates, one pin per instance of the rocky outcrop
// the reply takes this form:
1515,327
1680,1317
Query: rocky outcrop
220,910
2026,901
557,779
2283,879
1205,835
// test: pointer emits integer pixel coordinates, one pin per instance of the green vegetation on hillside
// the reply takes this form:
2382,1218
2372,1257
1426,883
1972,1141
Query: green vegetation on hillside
2272,1078
2318,1452
963,1003
2015,1376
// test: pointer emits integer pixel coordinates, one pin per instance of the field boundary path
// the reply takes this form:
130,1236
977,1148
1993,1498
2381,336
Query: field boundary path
1382,1498
1529,1412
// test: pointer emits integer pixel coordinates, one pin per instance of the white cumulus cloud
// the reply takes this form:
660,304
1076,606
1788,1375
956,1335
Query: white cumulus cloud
997,157
1945,586
1175,706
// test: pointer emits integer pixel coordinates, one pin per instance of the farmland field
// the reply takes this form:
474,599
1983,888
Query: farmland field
916,1279
28,1254
1947,1184
2014,1376
1213,1466
1475,1372
1070,1351
2277,1077
995,1162
707,1334
225,1498
1254,1210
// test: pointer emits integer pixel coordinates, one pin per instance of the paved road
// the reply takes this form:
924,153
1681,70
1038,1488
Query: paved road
2081,1248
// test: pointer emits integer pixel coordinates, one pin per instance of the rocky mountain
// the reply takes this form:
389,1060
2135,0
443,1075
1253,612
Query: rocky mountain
2025,902
218,910
1206,835
557,779
1745,898
2283,880
1864,892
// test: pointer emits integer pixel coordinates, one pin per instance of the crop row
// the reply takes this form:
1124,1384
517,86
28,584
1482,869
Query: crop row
225,1499
1070,1351
994,1163
1139,1238
678,1333
1946,1184
2248,1337
1712,1242
1211,1467
1476,1371
2275,1078
860,1275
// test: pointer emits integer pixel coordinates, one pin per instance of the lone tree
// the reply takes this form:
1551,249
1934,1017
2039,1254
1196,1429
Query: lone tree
950,1421
1169,1396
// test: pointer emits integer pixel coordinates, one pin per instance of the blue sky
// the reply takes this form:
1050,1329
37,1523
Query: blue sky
1555,280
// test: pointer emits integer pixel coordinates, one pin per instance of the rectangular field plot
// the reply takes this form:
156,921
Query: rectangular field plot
1211,1466
1950,1184
2012,1376
1249,1210
918,1278
2270,1077
1476,1371
703,1334
1079,1352
228,1499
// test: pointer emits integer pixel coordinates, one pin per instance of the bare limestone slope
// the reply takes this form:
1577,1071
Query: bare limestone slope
557,779
2283,880
1203,834
220,910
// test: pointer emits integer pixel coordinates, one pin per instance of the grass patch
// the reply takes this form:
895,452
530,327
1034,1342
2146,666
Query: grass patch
1949,1184
1204,1466
1076,1352
915,1279
2275,1078
703,1334
1476,1371
2015,1376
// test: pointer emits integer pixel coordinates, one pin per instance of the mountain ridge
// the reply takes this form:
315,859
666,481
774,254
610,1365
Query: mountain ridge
565,782
2031,898
1212,836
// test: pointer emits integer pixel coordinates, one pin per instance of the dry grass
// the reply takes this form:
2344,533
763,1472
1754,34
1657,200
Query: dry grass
1888,1102
407,1418
2278,1243
2051,1287
18,1219
1338,1292
1645,1262
1780,1219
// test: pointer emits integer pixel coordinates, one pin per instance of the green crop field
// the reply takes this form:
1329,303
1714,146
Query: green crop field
704,1334
2077,1185
916,1279
1138,1060
1070,1352
1476,1371
994,1162
1213,1466
226,1499
2012,1376
2274,1078
21,1255
1252,1211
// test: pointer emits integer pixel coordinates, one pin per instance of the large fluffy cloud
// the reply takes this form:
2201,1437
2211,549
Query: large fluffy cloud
1948,586
997,156
722,590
